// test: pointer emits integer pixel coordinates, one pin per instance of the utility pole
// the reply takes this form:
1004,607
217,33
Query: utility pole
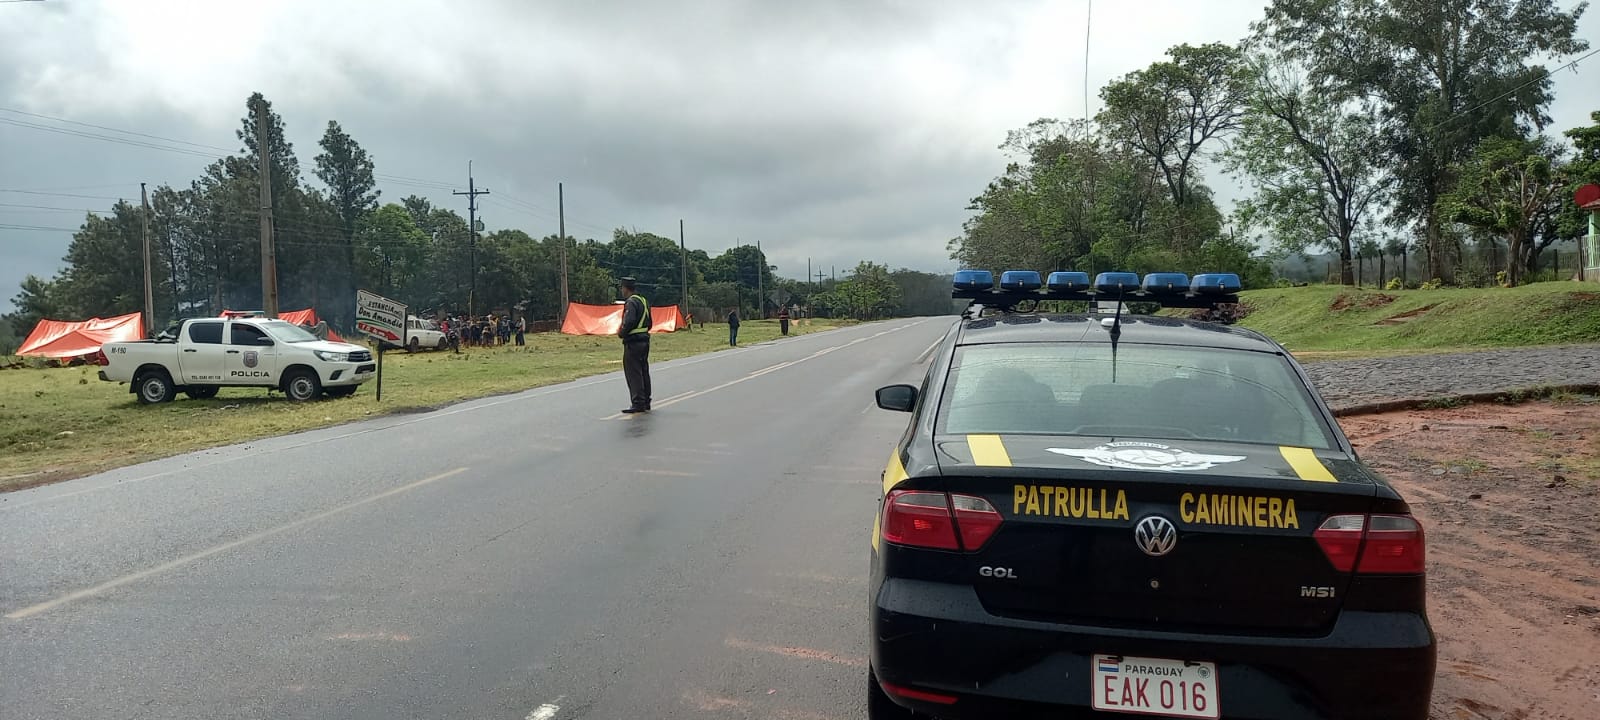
561,218
761,296
472,194
683,260
149,295
269,256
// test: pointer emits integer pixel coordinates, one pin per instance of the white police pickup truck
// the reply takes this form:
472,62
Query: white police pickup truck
212,353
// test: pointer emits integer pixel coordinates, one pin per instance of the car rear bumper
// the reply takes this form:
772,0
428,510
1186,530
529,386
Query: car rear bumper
938,637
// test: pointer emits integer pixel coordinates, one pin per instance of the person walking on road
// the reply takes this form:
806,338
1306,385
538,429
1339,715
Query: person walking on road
783,321
635,334
733,327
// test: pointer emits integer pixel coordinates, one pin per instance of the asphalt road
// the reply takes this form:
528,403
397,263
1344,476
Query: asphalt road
529,556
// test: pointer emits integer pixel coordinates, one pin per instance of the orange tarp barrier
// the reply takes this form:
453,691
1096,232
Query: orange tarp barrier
306,317
607,319
66,339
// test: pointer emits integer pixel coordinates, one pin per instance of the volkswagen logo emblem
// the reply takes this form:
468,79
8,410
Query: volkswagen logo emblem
1155,535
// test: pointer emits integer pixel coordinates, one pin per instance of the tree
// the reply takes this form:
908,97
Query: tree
654,261
1316,163
1448,74
105,266
1582,169
35,302
1368,249
1077,200
344,166
868,293
1172,109
391,250
1395,246
1502,190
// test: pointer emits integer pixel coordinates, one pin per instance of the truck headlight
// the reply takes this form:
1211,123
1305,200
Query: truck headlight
330,356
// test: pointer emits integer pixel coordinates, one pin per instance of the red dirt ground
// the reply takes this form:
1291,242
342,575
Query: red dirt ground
1510,499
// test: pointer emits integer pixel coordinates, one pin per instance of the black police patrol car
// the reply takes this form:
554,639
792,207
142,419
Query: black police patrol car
1106,513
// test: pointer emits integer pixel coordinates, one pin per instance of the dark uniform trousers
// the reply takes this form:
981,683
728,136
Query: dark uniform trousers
636,368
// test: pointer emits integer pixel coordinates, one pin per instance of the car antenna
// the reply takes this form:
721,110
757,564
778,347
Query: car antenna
1116,333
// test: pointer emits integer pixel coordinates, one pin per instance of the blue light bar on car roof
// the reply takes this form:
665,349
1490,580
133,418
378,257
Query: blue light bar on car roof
1116,282
1215,284
974,280
1068,282
1166,283
1171,290
1019,280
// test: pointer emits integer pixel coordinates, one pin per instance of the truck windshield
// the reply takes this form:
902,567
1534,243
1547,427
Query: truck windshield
287,332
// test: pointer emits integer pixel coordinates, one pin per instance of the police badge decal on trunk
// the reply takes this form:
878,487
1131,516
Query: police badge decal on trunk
1146,456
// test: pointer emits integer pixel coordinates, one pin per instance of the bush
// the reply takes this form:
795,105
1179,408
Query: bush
1226,314
1394,284
1433,284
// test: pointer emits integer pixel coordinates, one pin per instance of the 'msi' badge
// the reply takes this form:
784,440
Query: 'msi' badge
251,358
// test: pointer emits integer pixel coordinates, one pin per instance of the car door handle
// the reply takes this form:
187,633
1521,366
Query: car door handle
233,352
190,350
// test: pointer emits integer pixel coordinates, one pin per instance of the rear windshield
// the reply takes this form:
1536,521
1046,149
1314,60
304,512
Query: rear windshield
1151,391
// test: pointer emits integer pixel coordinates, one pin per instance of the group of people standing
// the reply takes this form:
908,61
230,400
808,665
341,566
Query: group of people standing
487,331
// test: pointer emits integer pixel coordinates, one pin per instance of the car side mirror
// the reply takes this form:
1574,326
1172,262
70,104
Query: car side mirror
264,341
901,398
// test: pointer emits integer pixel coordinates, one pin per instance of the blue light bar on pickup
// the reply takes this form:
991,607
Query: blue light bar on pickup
1215,284
1116,282
1067,282
1166,283
974,280
1020,280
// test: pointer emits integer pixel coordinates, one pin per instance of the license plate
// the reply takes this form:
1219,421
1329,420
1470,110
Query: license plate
1155,686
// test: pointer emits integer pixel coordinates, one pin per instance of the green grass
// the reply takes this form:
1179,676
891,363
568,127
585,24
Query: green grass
1325,322
58,423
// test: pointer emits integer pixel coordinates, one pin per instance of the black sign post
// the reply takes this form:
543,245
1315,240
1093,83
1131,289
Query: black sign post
380,371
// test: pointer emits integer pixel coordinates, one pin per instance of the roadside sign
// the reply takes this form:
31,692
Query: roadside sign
380,317
383,319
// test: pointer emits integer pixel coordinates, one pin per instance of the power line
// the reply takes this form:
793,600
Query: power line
112,129
107,138
54,194
1509,93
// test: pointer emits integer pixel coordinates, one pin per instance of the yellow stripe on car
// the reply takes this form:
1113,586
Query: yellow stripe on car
892,475
988,450
1306,465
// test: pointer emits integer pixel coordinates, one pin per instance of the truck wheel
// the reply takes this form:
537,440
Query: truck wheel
414,345
301,386
201,392
341,391
155,387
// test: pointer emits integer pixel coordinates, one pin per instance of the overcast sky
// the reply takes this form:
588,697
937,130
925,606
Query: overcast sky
836,130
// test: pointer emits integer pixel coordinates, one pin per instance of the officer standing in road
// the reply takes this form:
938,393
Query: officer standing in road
635,334
733,327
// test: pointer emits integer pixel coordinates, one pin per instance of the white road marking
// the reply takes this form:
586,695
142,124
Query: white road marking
32,610
544,712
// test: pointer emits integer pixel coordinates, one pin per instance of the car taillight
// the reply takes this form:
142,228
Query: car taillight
919,519
1395,546
1374,545
976,519
926,519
